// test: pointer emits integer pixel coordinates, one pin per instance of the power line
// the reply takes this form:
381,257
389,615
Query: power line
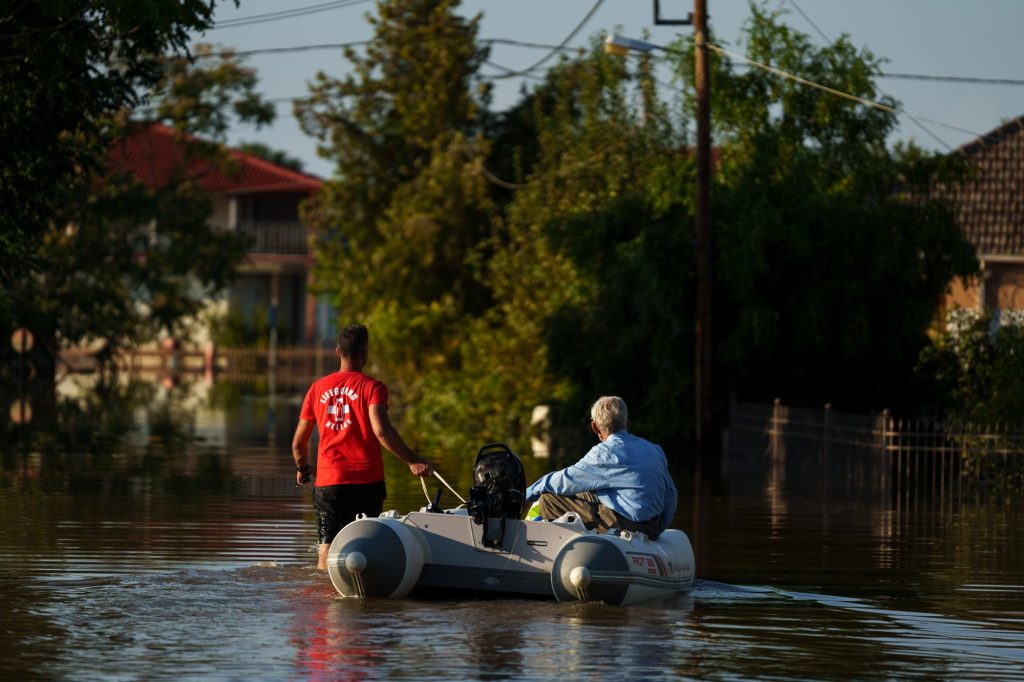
862,100
501,67
556,50
507,72
770,69
953,79
811,22
285,14
978,80
281,50
357,43
829,41
523,43
838,93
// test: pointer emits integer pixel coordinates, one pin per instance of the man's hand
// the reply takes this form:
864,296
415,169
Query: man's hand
300,440
421,468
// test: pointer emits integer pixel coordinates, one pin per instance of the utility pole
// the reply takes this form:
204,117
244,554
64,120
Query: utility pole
706,447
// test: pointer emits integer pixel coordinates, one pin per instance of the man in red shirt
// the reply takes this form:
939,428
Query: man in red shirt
350,411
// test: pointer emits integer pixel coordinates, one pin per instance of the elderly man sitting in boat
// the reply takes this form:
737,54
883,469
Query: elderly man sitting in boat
623,482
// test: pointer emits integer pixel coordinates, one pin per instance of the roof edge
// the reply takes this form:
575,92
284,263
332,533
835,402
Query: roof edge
993,137
290,177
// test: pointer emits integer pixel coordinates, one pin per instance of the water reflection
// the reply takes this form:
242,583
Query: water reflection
639,640
331,638
159,532
496,645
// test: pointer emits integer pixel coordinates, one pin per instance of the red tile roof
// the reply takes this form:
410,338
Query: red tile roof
154,153
989,205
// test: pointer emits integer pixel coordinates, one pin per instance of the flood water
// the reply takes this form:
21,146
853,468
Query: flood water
180,547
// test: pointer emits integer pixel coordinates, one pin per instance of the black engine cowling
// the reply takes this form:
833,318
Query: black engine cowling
499,489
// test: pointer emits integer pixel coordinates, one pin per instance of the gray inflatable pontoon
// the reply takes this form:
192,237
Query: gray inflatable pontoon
485,547
393,555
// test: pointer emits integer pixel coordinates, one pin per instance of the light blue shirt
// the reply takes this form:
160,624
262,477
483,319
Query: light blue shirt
627,473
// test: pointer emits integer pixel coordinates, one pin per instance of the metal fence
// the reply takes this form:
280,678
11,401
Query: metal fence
954,462
281,368
904,461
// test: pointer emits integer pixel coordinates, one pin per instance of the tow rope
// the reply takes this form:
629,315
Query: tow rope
423,483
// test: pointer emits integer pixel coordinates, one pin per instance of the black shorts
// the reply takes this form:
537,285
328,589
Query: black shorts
337,505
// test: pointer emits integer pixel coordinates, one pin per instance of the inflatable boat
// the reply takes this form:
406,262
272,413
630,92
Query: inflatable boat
485,547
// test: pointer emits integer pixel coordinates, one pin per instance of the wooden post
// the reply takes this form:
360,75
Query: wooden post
883,446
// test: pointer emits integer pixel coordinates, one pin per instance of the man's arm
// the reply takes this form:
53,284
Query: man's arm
583,476
390,439
300,442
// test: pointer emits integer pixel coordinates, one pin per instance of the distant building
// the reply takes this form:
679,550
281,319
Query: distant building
989,207
259,199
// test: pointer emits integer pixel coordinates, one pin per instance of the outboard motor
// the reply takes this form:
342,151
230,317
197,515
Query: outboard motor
498,492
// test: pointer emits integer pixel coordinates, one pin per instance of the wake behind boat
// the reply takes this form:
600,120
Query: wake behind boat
485,547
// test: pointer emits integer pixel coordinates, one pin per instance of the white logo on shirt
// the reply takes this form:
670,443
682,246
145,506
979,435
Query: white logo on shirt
339,412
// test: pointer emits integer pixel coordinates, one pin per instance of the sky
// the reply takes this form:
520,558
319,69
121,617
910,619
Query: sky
947,38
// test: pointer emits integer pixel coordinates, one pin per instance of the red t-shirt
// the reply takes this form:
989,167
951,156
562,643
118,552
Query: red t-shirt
349,451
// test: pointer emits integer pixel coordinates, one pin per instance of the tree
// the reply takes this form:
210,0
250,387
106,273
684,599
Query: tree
591,281
971,378
973,371
276,156
123,260
829,258
206,93
66,67
400,233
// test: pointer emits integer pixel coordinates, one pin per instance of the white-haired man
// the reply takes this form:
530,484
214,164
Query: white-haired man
623,482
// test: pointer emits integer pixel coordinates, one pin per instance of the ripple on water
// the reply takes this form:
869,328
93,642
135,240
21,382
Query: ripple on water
222,585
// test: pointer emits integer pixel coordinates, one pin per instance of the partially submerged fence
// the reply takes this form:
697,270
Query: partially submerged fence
283,368
904,461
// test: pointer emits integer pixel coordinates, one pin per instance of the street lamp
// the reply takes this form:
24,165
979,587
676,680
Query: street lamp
621,46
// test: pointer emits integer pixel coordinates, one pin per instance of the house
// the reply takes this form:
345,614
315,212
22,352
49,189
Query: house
261,200
989,206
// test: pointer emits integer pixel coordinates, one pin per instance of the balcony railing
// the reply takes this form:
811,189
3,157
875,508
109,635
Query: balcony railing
274,237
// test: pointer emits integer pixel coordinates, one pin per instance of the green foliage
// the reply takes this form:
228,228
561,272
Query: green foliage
829,260
400,233
130,261
276,156
973,371
204,99
971,377
514,137
829,257
590,276
65,68
122,261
